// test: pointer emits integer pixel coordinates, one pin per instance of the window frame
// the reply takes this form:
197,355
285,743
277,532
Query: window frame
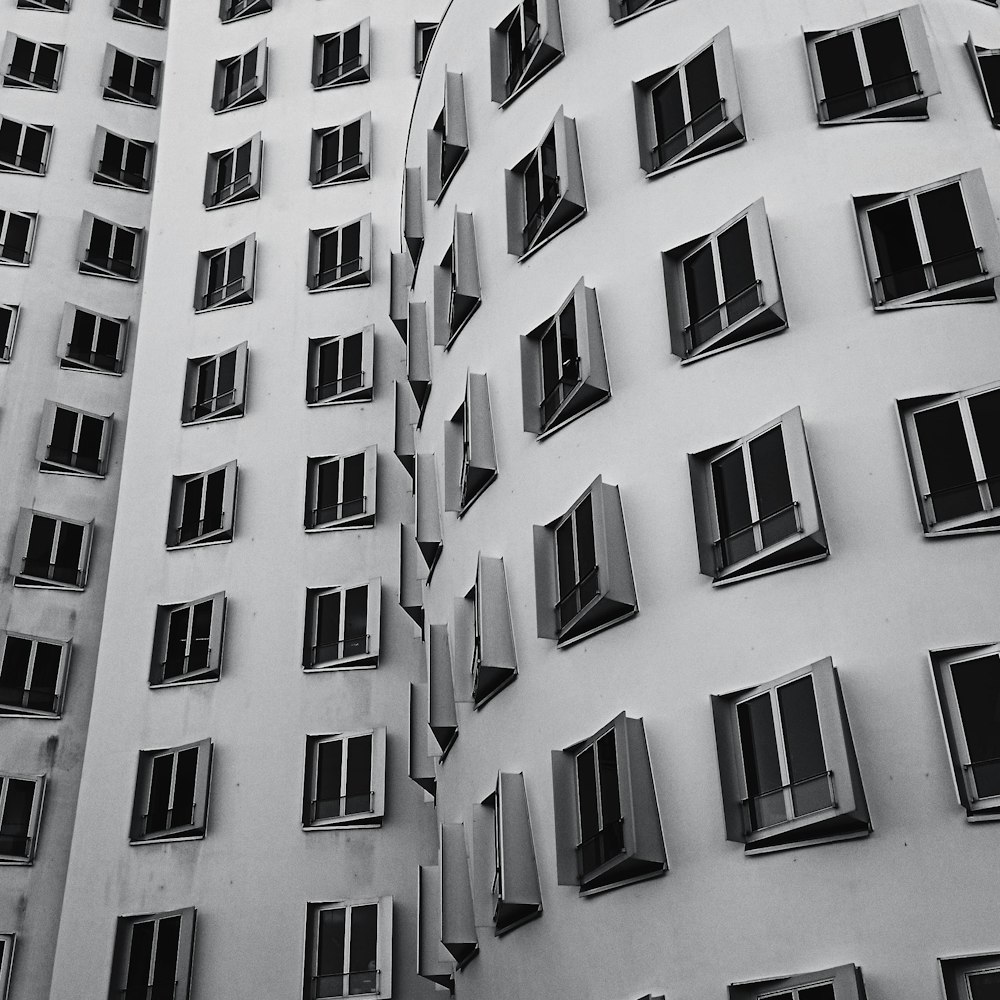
34,818
362,393
67,330
846,980
383,946
22,711
212,670
103,267
192,381
366,658
360,171
365,518
197,828
447,139
360,278
356,74
119,13
364,819
456,283
8,167
47,465
118,180
13,311
130,96
29,243
28,83
244,294
121,955
250,91
470,459
244,188
250,8
227,527
544,52
37,581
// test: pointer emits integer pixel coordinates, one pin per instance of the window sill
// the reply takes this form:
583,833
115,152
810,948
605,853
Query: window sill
478,703
18,862
355,176
882,113
973,524
644,10
238,105
657,872
743,569
221,538
234,200
117,15
804,840
764,321
225,304
227,413
617,619
526,83
109,182
342,283
348,80
367,821
548,237
7,168
945,295
362,395
207,677
15,712
97,272
37,583
50,469
167,838
695,152
14,263
362,661
558,422
358,523
115,97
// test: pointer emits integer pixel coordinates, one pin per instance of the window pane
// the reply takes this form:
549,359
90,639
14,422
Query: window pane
330,952
354,486
565,558
89,447
364,936
804,747
947,462
699,283
732,505
977,688
607,769
885,48
351,249
761,767
949,236
985,986
739,280
329,764
990,66
227,378
14,670
703,93
158,813
352,361
140,959
985,411
586,785
823,992
40,539
328,625
900,269
840,70
328,493
585,549
10,139
45,677
184,785
201,629
68,551
165,968
772,487
356,621
177,647
63,436
215,487
359,774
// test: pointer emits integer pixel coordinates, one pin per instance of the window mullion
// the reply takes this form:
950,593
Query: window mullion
154,946
758,538
55,542
975,453
342,616
345,746
32,656
921,238
348,926
859,45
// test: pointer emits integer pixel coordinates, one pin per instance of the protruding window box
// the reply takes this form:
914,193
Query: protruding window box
241,80
21,799
442,716
458,921
215,386
32,676
226,275
237,10
30,64
974,976
418,355
342,626
457,292
73,442
24,148
122,162
434,963
93,342
151,13
233,175
342,57
8,329
419,762
448,140
51,551
413,214
412,575
155,950
624,10
526,43
986,63
344,781
342,153
341,369
470,462
171,794
427,514
340,256
203,508
348,949
187,642
340,491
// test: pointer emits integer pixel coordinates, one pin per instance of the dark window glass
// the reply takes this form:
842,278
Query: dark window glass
990,67
944,448
807,771
900,268
140,958
775,511
703,94
888,63
977,688
985,985
356,620
732,505
364,935
331,949
840,70
949,235
739,280
359,775
761,768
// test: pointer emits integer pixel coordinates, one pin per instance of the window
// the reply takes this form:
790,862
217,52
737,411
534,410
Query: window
790,775
62,6
348,949
6,961
51,551
986,63
423,35
470,461
841,983
8,327
342,153
755,503
967,682
20,807
32,676
934,244
131,79
457,293
448,140
241,80
723,288
953,448
121,162
427,512
236,10
878,70
341,368
341,256
93,342
215,386
564,372
171,793
607,823
523,45
187,642
545,190
31,64
345,781
971,977
340,491
622,10
109,249
203,507
73,441
152,13
152,957
226,275
233,175
583,574
24,149
690,110
17,235
342,626
342,57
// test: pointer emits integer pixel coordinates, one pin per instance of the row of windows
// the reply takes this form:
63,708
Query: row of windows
149,12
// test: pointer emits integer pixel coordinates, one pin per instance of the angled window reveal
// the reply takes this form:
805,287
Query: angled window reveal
986,63
241,80
970,976
73,442
400,285
131,79
427,515
448,140
564,372
24,148
789,771
342,57
434,962
225,275
51,551
109,249
755,502
344,781
171,793
690,110
153,956
203,508
122,162
341,256
622,10
423,35
412,575
413,214
342,153
30,64
953,447
233,175
8,328
341,368
458,921
17,237
215,386
457,292
723,288
583,573
442,715
342,626
340,491
876,70
931,245
470,461
237,10
607,823
405,419
418,355
152,13
349,949
92,342
32,676
526,43
20,808
419,762
187,642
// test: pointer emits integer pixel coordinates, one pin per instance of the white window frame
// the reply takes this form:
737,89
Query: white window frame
361,658
29,243
16,167
215,638
227,515
197,828
383,946
360,73
119,178
98,267
46,464
13,311
362,819
470,447
363,391
38,780
21,82
222,406
24,526
359,277
250,91
23,711
347,171
120,12
129,95
70,312
241,295
246,187
365,518
185,947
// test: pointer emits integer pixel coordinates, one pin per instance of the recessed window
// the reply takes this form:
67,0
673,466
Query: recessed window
986,63
340,491
32,676
877,70
342,153
341,368
342,57
17,235
241,80
621,10
971,977
24,149
92,342
953,444
171,793
342,626
121,162
340,257
755,501
457,292
523,45
690,110
233,175
723,288
226,275
203,507
131,79
423,35
345,781
215,386
931,245
51,551
841,983
607,822
20,808
187,642
6,961
31,64
470,461
109,249
790,774
152,13
73,442
236,10
8,328
448,140
349,949
152,956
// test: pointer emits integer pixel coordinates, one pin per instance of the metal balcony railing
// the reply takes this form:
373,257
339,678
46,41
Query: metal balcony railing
788,802
579,597
116,265
211,404
244,87
106,362
154,991
932,274
553,400
535,221
215,296
601,847
327,275
967,498
190,530
985,778
327,171
15,845
180,666
675,144
42,569
226,191
29,164
36,78
870,96
74,459
170,819
39,701
757,535
330,73
332,512
341,649
341,806
118,173
17,254
363,982
519,61
724,315
138,94
337,386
